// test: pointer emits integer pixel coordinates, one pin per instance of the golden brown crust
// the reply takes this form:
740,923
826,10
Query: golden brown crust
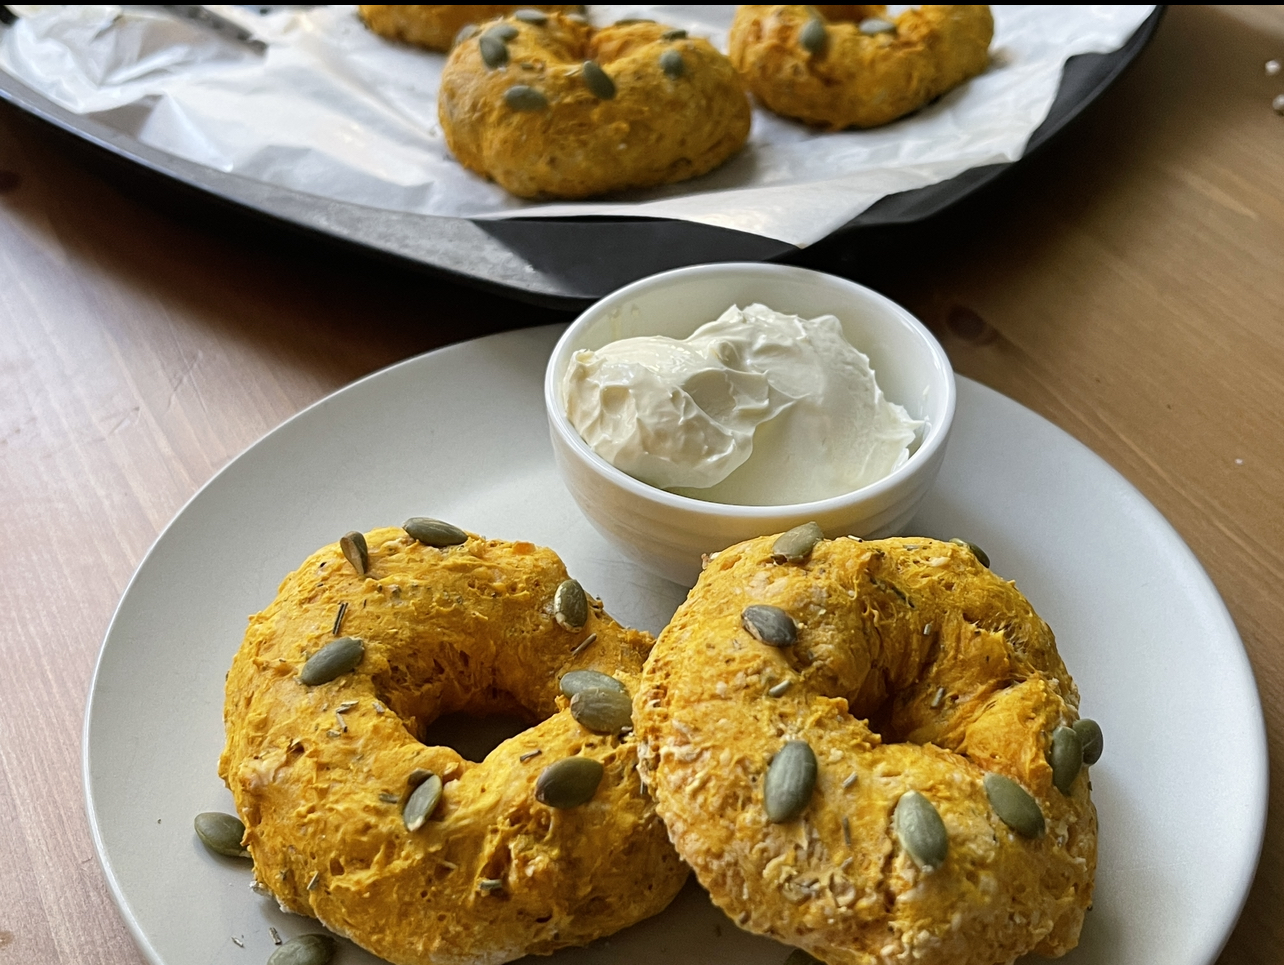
320,774
657,128
855,79
435,27
959,678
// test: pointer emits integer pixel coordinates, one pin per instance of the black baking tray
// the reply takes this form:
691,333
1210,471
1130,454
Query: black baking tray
563,262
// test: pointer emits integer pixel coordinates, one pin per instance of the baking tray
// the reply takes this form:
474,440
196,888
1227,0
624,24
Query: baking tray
564,262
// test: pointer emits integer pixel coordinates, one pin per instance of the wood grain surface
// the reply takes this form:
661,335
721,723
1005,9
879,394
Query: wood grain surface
1127,284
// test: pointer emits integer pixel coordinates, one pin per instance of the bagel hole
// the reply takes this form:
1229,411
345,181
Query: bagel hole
846,14
472,736
879,719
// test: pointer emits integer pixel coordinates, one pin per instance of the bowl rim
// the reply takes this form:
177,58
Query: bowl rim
922,458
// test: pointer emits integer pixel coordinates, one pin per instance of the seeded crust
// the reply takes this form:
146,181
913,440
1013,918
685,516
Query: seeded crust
657,129
320,782
857,80
435,27
912,639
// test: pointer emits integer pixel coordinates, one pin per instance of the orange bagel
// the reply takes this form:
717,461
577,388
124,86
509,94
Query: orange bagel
825,66
435,27
325,762
556,109
852,751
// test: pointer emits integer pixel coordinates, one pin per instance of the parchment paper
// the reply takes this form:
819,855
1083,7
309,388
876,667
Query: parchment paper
335,111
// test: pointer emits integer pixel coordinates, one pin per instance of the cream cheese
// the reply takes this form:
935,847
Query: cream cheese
755,408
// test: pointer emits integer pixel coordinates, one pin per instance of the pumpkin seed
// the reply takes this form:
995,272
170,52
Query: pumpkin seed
981,556
596,80
602,711
417,776
304,950
355,551
770,624
536,17
631,20
921,831
799,957
1066,757
791,778
570,604
421,804
677,34
796,545
1090,736
333,660
467,32
490,884
434,532
813,37
876,25
221,833
502,31
569,783
576,680
778,690
493,52
672,64
1014,806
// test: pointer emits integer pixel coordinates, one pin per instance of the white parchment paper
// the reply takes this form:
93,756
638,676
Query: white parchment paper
333,110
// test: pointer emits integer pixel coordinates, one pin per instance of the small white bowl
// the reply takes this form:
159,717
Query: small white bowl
666,533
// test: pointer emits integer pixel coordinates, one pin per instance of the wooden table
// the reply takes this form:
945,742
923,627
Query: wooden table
1127,285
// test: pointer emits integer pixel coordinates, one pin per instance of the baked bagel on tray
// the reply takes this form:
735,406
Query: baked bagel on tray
854,66
436,26
549,107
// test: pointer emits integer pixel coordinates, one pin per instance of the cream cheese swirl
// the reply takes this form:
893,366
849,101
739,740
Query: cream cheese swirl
754,408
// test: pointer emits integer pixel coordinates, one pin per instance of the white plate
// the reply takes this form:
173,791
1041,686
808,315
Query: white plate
460,433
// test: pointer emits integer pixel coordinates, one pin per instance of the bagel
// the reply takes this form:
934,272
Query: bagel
335,788
435,27
842,793
556,109
848,66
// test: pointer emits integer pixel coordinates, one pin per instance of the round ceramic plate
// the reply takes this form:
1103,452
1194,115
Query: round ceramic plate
460,434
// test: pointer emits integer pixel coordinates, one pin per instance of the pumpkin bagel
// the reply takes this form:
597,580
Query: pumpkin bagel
549,107
413,852
435,26
871,750
853,66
